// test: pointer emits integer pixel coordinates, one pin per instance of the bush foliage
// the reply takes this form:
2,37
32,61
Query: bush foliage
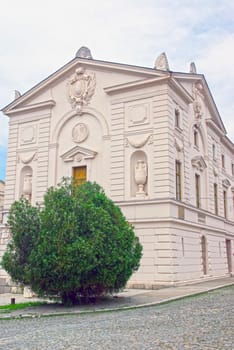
78,245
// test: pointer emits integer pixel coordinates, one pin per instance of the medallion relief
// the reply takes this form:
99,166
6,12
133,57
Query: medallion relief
80,89
80,133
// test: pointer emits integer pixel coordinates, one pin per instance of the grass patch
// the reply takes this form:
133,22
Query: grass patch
12,307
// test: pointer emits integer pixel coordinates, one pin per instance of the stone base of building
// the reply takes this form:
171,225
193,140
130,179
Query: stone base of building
157,285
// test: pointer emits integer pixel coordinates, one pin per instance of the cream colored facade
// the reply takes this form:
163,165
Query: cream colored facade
2,188
153,139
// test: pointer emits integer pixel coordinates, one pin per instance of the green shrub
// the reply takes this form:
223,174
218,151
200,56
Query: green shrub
82,245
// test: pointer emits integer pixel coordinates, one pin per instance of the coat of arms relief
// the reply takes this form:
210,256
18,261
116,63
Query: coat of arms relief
81,87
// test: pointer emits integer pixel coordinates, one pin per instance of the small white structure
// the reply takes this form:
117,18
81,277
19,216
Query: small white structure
153,139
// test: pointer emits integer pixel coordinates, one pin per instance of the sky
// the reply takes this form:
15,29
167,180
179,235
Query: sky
39,37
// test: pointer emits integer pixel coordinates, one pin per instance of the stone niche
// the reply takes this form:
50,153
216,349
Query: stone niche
26,183
139,175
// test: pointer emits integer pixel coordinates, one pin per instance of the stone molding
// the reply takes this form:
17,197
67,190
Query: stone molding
78,153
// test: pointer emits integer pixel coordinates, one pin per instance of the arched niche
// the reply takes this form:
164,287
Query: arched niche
197,129
71,114
139,174
26,176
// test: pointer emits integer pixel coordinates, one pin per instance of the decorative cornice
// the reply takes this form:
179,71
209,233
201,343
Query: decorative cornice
181,90
33,107
135,84
73,64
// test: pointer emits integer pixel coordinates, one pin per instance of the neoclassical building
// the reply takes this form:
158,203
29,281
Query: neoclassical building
153,139
2,187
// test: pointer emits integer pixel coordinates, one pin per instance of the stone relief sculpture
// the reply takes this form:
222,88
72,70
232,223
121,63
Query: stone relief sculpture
140,177
162,62
84,52
17,94
197,104
193,68
80,88
27,186
80,132
27,158
138,141
179,145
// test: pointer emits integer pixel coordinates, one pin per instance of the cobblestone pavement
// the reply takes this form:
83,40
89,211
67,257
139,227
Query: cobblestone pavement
204,322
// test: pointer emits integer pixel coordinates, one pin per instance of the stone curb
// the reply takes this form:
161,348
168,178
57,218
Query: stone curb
121,308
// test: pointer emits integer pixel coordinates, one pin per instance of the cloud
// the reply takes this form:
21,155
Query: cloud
39,37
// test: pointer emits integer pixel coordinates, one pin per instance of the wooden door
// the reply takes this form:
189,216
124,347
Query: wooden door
80,174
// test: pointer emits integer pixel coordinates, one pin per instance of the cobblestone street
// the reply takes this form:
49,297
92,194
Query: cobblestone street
203,322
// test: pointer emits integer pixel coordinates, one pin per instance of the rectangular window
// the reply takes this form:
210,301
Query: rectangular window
232,169
216,199
195,138
178,180
223,161
214,151
225,204
80,174
197,190
177,118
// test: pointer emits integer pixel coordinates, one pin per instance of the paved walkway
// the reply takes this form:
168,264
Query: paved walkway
129,298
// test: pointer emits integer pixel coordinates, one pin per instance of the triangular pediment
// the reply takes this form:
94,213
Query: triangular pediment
188,81
199,163
78,153
41,94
